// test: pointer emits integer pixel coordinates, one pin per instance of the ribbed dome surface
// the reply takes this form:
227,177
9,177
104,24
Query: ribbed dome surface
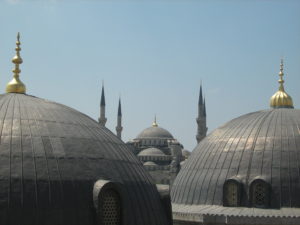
263,144
155,132
281,100
50,158
151,152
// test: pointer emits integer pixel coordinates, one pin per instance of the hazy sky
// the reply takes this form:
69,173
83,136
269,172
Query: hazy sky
154,53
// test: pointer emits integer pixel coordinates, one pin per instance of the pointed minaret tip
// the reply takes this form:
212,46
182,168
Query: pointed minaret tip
200,101
16,85
119,108
102,119
204,108
201,119
102,103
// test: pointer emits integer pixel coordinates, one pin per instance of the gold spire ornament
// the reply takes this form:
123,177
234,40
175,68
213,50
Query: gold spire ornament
16,85
281,99
154,124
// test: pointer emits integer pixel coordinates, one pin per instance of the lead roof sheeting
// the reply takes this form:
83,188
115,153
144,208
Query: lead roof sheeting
235,211
263,144
50,158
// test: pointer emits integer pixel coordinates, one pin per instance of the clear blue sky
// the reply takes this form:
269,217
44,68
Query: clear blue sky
154,53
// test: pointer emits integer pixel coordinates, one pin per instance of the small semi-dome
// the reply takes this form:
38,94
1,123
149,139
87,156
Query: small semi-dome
150,163
151,152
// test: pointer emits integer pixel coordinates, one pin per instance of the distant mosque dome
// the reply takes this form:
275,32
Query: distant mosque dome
155,132
151,152
159,152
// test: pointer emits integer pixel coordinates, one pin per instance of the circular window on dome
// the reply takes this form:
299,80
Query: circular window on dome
109,207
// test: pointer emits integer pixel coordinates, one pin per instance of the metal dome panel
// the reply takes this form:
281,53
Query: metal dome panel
264,145
50,158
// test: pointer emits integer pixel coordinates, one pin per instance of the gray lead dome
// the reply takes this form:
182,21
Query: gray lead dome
155,132
262,146
50,158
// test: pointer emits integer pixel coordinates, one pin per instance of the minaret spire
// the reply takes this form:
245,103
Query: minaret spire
200,101
16,85
102,119
119,108
119,127
204,108
102,103
201,119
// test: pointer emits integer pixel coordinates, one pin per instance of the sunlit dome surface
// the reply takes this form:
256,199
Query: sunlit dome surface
155,132
260,145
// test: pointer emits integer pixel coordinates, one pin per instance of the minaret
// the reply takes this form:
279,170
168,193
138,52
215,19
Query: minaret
119,127
16,85
102,119
201,119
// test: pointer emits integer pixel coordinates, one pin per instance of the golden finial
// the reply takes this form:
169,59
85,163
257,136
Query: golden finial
16,85
281,99
154,124
281,81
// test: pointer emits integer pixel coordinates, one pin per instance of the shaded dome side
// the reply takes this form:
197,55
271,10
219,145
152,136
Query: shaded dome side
50,158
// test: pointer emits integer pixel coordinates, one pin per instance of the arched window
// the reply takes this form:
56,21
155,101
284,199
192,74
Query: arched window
232,193
260,193
109,212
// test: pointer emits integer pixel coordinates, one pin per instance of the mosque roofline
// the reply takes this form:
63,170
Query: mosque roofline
241,215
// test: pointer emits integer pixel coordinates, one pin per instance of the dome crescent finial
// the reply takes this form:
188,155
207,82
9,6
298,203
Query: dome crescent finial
154,124
281,99
16,85
281,74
